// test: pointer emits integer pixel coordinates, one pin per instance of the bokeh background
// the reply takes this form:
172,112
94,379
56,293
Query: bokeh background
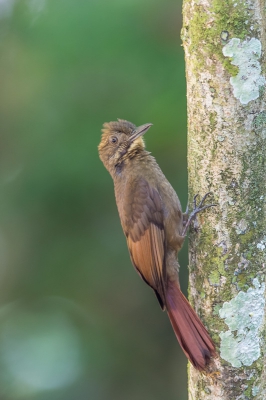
76,322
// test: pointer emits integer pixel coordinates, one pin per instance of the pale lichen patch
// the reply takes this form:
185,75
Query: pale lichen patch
240,345
261,245
245,55
255,390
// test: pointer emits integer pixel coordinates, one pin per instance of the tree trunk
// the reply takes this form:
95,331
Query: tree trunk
225,44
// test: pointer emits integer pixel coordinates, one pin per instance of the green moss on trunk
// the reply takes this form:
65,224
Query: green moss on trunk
226,155
209,30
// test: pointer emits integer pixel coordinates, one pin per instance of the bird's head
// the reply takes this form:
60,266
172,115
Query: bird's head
121,140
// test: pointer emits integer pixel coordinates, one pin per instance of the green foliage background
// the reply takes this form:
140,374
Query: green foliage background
65,275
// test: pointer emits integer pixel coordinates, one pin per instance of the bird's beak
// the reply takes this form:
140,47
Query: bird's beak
139,131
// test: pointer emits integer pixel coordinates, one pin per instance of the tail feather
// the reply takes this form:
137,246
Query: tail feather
192,335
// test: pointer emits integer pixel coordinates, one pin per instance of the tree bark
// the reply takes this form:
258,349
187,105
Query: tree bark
224,42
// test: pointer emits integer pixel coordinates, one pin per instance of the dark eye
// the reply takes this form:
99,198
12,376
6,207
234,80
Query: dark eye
113,139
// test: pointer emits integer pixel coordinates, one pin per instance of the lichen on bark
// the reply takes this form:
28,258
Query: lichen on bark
210,27
240,344
226,155
245,55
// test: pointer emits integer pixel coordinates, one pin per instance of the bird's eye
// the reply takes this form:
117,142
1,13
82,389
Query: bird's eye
113,139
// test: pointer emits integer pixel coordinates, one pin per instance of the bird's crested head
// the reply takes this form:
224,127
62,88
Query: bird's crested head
120,141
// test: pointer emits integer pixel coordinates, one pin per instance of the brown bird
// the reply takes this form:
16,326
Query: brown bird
155,229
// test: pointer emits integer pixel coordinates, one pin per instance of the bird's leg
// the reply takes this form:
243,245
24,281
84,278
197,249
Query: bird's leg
185,216
187,219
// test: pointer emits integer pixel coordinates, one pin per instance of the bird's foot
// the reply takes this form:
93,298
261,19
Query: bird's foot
196,209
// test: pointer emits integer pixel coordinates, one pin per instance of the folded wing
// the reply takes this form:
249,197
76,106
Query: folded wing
143,226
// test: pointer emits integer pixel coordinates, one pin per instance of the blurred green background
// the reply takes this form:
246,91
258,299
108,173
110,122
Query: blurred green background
76,322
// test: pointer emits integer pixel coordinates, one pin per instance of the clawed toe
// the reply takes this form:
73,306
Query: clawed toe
196,210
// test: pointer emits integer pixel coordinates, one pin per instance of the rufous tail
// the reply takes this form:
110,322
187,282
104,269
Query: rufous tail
191,334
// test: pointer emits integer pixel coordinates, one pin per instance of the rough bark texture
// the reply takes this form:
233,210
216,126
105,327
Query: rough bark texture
224,42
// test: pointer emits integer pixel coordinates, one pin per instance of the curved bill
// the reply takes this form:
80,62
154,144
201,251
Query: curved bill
139,131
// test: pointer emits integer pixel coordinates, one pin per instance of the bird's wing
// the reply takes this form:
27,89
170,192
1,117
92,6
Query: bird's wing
144,229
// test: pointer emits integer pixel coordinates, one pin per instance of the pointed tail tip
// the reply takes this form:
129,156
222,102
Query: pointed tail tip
191,334
202,363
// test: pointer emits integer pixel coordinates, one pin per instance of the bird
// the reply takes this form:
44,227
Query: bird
155,229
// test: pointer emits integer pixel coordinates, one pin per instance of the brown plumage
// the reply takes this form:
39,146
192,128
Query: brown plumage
153,224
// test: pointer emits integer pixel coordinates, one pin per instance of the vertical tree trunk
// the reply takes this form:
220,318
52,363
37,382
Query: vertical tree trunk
225,45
